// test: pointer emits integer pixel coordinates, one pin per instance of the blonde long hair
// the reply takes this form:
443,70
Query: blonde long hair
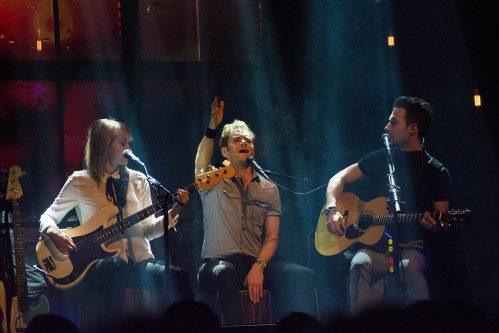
98,144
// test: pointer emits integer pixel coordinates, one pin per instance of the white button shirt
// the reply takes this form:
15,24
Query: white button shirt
82,192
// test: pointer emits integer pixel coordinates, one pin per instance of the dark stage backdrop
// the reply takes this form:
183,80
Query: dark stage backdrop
314,79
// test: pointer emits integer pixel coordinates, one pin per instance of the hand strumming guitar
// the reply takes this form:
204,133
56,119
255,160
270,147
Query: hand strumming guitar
336,223
63,242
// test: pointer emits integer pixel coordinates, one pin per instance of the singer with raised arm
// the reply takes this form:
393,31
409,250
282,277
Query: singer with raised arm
241,229
107,183
423,185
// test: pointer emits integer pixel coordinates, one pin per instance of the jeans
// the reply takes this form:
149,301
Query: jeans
369,269
104,285
292,286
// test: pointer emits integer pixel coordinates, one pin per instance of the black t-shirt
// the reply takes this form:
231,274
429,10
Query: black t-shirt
422,181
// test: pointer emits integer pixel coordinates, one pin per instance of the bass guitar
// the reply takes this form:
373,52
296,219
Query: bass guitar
67,270
21,312
365,222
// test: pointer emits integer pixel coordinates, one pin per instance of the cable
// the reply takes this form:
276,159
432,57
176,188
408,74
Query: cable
299,193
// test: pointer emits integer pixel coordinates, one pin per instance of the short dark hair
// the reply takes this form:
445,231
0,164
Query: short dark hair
418,111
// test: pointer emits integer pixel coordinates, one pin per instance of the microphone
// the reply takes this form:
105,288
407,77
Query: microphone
259,169
131,156
386,142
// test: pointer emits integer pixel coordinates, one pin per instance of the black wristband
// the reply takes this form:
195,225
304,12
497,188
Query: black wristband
211,133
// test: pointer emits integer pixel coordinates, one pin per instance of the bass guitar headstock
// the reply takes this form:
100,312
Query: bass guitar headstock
14,190
209,179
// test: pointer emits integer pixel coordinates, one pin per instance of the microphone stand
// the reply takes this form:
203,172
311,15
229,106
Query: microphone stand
162,192
393,242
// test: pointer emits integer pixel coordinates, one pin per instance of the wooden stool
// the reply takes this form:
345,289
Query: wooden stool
259,313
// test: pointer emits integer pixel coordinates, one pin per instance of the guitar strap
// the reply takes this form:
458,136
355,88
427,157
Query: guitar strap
123,186
433,162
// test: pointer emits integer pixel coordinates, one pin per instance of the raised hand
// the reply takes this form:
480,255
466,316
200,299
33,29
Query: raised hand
217,113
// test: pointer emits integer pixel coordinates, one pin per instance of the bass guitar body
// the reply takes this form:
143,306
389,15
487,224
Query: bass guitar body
65,271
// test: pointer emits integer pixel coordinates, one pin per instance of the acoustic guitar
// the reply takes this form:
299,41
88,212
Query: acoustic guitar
365,222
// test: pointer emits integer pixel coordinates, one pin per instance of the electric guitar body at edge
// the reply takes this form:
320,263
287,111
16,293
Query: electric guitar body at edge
21,312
